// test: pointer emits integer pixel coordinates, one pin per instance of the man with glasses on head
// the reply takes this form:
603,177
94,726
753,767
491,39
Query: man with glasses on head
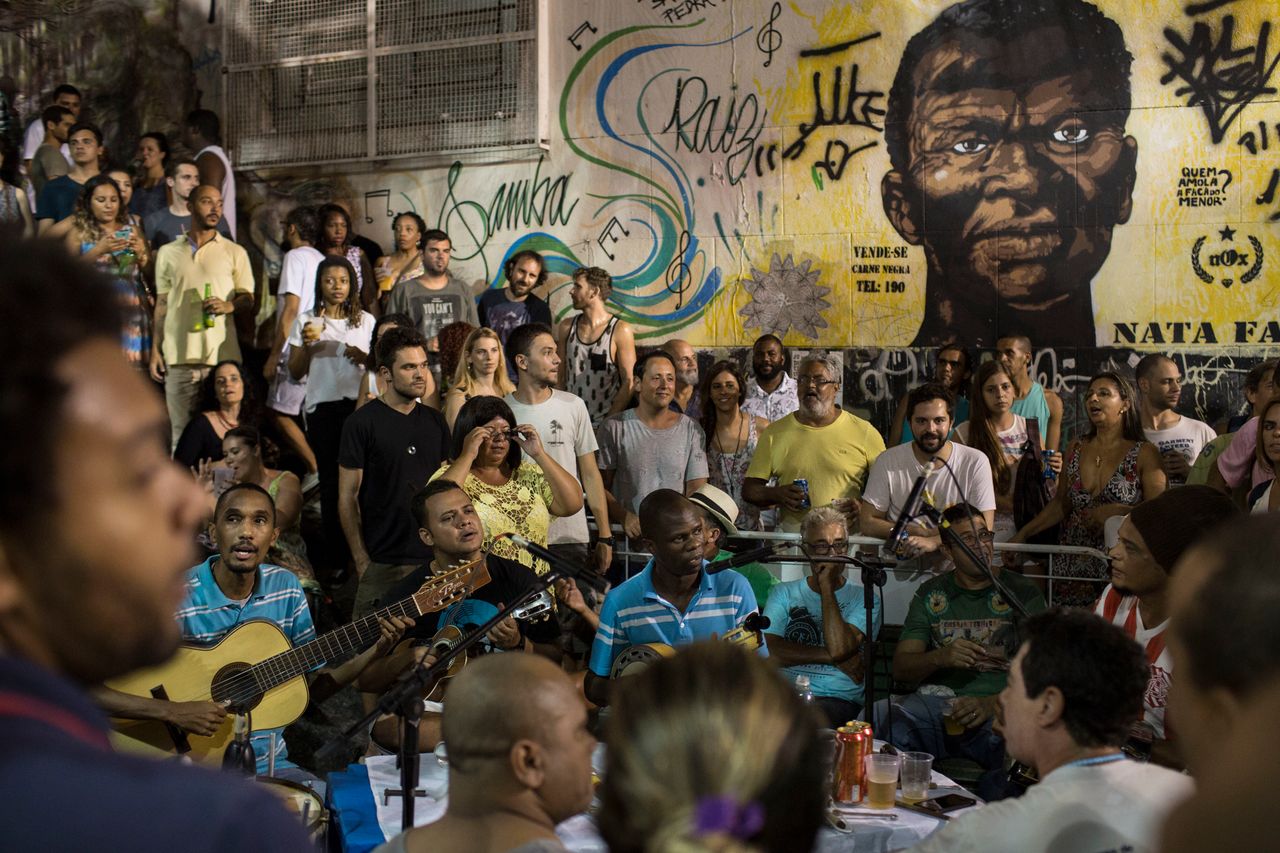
958,635
819,443
817,624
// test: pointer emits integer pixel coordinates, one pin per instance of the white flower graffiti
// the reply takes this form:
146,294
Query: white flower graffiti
784,298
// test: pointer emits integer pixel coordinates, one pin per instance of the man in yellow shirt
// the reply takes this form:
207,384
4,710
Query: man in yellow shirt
821,443
194,329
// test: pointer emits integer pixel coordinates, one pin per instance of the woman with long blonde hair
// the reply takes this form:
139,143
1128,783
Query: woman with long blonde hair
481,372
711,750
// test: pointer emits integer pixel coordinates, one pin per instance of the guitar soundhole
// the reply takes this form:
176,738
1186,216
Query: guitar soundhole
227,687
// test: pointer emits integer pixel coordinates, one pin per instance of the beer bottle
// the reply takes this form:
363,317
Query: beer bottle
208,315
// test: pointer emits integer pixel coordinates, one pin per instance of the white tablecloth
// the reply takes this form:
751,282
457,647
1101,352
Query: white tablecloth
872,835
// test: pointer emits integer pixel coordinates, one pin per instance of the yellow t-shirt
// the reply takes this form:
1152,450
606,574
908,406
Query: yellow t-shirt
521,505
181,275
834,459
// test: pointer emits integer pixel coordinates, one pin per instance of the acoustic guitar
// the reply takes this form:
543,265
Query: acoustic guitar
254,668
634,659
468,614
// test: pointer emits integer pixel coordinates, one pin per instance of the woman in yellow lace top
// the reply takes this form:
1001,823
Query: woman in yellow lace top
510,495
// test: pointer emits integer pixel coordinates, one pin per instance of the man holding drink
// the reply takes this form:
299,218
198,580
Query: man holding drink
956,640
1068,721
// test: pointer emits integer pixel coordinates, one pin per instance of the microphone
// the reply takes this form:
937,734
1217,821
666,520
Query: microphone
566,566
755,621
752,556
897,539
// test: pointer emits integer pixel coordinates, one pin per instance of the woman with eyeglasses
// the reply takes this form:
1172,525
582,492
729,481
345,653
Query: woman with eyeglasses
510,495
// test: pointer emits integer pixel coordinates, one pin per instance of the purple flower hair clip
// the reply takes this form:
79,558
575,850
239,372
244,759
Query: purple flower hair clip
723,814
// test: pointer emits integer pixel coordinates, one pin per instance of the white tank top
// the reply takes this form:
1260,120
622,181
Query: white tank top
228,187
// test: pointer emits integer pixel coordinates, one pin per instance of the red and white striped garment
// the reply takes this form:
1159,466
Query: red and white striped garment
1122,610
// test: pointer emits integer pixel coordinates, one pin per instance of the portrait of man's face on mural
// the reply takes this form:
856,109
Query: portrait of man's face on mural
1010,165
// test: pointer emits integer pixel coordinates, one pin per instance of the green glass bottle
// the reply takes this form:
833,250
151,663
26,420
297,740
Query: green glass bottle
209,316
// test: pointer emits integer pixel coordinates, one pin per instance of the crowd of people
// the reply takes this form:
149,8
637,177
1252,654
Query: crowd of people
434,428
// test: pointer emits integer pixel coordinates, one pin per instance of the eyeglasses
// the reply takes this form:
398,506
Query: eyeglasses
815,381
824,549
986,537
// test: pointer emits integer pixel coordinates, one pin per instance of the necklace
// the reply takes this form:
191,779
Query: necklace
225,423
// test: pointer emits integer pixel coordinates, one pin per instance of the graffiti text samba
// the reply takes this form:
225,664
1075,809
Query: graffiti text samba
515,205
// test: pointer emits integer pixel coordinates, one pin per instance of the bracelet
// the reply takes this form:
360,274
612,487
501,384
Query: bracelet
604,540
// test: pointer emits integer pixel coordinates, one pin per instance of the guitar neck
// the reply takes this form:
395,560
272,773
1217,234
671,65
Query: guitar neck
352,638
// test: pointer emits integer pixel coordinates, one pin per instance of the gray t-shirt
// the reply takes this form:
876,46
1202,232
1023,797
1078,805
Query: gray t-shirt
432,310
648,459
565,428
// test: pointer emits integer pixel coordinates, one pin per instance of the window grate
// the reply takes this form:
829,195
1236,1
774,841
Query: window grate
448,76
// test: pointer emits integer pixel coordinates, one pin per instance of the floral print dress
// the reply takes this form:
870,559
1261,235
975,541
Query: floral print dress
136,305
728,470
1124,487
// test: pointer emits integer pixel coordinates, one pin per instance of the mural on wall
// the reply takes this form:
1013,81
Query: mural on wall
894,174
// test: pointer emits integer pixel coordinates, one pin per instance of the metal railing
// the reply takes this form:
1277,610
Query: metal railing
916,570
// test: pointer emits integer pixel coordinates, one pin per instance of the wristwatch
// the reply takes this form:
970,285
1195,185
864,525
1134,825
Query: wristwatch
605,540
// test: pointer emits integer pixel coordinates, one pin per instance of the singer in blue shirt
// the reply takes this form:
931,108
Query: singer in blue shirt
673,600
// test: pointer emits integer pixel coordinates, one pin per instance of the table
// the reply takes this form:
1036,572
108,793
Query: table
360,820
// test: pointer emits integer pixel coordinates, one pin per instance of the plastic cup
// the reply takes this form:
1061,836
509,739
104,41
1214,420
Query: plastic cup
917,770
882,779
951,725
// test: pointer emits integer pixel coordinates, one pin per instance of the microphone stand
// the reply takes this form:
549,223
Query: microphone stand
873,576
404,698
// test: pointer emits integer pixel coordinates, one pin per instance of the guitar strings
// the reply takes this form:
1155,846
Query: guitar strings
244,685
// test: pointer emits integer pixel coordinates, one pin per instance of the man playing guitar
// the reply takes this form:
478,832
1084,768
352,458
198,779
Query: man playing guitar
235,587
449,525
672,601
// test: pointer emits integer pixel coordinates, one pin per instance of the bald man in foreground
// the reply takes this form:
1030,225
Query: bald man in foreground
516,768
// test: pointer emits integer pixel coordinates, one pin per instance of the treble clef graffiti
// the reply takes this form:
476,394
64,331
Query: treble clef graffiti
678,272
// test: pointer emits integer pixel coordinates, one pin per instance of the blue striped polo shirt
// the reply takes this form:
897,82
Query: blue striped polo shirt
634,613
207,615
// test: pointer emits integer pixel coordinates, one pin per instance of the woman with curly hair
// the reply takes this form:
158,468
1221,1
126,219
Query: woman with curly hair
711,750
226,401
103,232
481,372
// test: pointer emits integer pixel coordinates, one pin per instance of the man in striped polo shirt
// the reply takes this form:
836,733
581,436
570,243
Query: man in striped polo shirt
1150,541
673,600
231,588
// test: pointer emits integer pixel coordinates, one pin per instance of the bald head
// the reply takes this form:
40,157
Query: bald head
686,360
661,507
499,700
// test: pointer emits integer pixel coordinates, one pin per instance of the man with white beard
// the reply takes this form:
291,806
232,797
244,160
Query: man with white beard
687,400
821,444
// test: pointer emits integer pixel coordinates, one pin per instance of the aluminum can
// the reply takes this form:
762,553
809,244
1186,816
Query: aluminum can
848,780
803,484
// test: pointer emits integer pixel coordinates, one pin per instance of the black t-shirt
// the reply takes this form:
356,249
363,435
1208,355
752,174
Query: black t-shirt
397,454
507,581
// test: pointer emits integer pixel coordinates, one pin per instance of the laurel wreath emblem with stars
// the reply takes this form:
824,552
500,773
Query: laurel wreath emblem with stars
1248,276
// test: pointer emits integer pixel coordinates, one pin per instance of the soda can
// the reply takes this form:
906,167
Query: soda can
804,485
1049,473
848,779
